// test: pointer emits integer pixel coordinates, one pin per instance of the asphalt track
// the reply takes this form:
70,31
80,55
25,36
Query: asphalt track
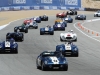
24,63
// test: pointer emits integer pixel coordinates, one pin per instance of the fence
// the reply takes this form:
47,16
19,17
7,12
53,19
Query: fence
6,5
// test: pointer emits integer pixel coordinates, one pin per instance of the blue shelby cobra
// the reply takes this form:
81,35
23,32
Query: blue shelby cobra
59,26
68,49
68,20
9,46
37,19
47,30
51,60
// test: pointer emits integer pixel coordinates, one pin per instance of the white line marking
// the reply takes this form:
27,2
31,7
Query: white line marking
84,33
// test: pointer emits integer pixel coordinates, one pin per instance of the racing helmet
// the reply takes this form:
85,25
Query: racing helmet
71,30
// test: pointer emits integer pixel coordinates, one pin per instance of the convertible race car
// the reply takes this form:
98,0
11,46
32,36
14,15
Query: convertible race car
61,15
51,60
72,12
27,21
32,25
69,36
47,30
22,28
15,35
59,26
68,19
61,21
44,18
68,49
80,17
37,19
8,46
97,14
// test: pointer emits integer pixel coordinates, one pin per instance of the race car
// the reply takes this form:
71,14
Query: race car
68,19
17,36
51,60
8,46
44,18
27,21
69,36
32,25
72,12
22,28
37,19
68,49
97,14
61,15
59,26
80,17
47,30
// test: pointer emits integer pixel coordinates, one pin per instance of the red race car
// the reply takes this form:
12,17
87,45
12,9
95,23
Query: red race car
27,21
61,15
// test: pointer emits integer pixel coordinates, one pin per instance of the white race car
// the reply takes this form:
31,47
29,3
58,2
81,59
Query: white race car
69,36
97,14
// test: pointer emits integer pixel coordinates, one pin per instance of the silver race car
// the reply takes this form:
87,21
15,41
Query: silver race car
69,36
32,24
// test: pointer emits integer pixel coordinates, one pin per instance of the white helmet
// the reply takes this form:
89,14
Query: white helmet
71,30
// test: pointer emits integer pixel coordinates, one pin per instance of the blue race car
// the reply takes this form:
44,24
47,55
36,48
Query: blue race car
51,60
80,17
59,26
68,19
9,46
37,19
47,30
68,49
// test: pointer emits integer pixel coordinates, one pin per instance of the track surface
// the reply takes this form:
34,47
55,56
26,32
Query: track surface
24,63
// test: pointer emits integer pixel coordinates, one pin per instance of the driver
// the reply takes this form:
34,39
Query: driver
12,40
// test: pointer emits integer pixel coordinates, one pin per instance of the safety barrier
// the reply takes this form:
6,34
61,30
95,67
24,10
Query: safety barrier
15,5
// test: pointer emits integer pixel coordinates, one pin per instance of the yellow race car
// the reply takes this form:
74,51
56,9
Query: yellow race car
58,20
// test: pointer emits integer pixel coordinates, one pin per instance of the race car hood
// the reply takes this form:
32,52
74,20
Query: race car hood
54,59
67,34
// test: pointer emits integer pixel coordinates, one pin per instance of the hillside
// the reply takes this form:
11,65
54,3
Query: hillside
91,4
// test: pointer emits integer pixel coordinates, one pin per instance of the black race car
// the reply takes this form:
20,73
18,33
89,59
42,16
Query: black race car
72,12
44,18
15,35
22,28
80,17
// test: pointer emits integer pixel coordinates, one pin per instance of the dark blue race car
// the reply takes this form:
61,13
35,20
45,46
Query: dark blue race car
68,19
51,60
80,17
47,30
37,19
68,49
9,46
59,26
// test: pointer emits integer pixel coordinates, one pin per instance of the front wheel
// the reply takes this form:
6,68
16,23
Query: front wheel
43,68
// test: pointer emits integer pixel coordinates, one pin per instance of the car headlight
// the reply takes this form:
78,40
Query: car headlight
75,49
46,62
64,61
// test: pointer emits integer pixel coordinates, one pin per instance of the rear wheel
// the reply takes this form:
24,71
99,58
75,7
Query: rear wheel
61,39
26,31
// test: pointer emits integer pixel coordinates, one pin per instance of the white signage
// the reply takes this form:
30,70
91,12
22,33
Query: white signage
19,1
71,2
46,1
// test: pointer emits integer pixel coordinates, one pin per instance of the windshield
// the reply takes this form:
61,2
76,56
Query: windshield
46,54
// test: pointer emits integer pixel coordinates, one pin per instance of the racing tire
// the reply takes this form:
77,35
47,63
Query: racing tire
36,27
43,68
75,13
65,68
41,33
52,33
61,39
64,29
77,54
96,15
47,19
26,31
75,40
15,30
